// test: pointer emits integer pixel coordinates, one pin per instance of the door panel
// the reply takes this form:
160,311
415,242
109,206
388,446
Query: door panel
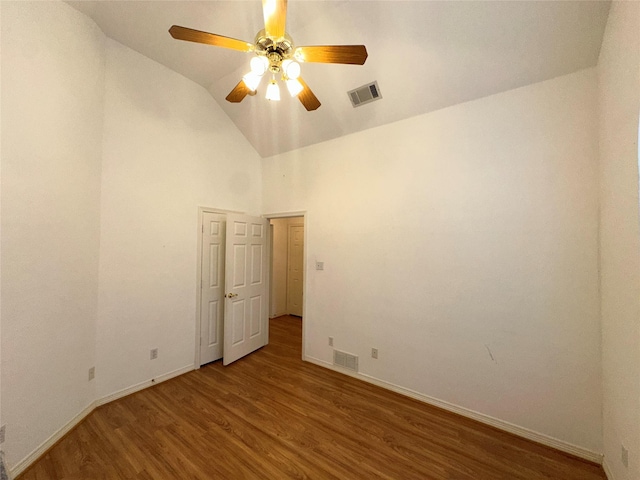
238,261
256,321
256,264
246,316
213,318
212,287
295,261
238,322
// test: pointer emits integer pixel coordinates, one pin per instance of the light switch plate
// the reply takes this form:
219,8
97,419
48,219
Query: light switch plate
319,265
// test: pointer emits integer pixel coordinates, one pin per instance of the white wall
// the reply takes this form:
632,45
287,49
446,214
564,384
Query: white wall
168,148
619,94
463,244
52,98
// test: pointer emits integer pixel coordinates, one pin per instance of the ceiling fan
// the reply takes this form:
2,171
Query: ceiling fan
276,54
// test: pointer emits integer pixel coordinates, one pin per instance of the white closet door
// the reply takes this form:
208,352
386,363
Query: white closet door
246,300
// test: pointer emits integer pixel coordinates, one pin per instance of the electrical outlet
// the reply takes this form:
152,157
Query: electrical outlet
624,456
3,429
154,353
92,373
374,353
331,341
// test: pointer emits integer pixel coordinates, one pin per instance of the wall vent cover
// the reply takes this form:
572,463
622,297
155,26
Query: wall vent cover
365,94
345,360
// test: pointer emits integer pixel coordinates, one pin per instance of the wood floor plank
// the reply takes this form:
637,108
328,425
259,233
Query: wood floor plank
272,416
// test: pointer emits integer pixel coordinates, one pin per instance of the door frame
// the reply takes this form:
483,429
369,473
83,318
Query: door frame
268,216
201,211
302,214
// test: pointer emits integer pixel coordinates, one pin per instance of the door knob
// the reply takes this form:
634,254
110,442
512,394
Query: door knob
231,295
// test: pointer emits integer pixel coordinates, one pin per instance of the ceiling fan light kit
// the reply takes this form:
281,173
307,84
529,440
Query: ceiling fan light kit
259,65
275,52
251,80
273,91
291,69
294,86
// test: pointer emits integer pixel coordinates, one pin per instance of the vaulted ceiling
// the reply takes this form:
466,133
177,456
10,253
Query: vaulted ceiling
425,55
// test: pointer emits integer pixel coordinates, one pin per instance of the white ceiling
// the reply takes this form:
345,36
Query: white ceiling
425,55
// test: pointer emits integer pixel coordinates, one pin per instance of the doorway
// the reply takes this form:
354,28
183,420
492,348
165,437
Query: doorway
287,266
232,313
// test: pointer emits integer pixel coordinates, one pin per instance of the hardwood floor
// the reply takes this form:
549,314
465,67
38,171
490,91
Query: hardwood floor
269,415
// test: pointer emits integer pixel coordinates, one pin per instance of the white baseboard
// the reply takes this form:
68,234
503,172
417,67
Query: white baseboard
142,385
607,469
465,412
26,462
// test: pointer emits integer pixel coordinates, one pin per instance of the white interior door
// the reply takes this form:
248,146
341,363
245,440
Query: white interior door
212,287
246,300
295,253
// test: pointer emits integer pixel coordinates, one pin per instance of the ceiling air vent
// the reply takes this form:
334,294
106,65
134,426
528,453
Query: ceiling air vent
365,94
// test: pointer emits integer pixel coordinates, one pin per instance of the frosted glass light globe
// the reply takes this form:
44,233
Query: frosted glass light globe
273,92
259,65
252,81
294,86
291,69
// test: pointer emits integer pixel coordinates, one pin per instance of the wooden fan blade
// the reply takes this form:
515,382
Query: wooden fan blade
348,54
275,17
307,97
238,93
191,35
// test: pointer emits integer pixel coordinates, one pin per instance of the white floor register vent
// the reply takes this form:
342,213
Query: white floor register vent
345,360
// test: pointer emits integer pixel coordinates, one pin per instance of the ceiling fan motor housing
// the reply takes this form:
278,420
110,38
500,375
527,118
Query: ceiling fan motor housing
276,50
275,62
